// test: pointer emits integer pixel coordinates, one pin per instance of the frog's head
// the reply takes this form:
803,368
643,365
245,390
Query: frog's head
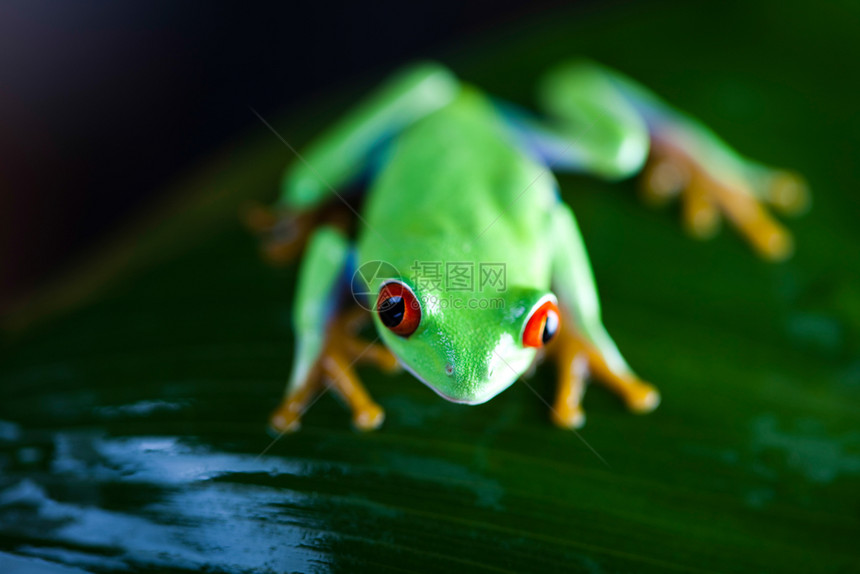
467,347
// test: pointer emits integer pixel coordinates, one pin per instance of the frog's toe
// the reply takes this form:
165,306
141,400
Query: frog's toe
258,218
283,234
788,192
740,195
700,214
568,418
284,421
279,253
662,180
372,354
369,417
641,397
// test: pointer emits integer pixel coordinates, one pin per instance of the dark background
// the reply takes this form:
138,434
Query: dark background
134,392
101,103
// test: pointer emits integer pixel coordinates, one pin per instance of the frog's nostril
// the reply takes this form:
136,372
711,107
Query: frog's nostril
449,369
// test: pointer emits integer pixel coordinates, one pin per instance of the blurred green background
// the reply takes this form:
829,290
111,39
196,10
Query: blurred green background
134,393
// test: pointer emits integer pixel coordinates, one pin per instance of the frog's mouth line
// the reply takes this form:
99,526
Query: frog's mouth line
443,395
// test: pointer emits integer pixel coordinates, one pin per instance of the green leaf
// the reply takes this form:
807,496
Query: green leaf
134,404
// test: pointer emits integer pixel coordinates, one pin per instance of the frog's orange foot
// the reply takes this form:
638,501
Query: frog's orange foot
787,192
707,196
577,359
283,233
335,370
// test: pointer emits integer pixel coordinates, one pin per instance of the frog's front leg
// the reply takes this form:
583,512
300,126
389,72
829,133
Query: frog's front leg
327,345
606,124
583,347
342,350
577,358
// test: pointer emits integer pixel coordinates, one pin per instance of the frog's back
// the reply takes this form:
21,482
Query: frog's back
456,187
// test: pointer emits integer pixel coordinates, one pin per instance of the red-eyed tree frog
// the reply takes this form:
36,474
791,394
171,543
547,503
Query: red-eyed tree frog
471,265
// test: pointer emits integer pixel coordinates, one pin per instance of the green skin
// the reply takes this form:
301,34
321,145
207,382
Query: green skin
459,180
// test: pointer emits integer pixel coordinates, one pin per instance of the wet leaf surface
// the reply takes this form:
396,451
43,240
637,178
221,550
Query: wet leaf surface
133,424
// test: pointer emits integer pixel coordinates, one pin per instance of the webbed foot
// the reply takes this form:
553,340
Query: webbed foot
577,360
334,369
283,233
736,189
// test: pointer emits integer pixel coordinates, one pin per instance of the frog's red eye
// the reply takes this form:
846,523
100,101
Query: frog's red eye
542,325
398,309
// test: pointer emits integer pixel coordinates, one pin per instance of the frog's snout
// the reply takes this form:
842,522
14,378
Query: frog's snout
450,370
470,382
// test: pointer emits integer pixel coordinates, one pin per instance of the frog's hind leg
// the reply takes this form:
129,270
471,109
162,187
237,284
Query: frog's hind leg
334,369
284,232
327,344
344,151
342,350
583,347
603,123
320,176
708,193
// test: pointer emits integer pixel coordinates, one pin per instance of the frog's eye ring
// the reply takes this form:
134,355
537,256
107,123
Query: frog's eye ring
543,324
398,308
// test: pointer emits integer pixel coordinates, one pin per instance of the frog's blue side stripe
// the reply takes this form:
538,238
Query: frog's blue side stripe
541,144
379,157
655,112
345,285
